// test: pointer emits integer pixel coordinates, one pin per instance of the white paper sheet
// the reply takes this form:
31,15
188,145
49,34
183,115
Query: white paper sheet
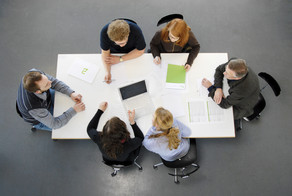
203,111
84,70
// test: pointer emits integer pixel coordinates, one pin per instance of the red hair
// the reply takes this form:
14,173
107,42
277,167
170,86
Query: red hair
178,28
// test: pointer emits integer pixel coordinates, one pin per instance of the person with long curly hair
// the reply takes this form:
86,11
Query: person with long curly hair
175,37
165,137
114,141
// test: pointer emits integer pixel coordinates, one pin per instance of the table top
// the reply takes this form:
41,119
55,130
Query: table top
131,71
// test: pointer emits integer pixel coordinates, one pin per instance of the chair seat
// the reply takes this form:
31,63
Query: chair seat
188,159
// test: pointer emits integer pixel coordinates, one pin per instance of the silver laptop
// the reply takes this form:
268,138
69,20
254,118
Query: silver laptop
135,96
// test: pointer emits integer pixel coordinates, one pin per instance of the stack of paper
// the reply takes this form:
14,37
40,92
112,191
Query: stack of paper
84,70
176,77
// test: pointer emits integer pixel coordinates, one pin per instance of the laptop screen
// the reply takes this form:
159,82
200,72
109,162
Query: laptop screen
133,90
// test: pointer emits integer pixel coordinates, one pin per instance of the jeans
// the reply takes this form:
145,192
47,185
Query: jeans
41,126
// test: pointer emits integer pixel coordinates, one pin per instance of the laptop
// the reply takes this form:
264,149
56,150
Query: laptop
135,96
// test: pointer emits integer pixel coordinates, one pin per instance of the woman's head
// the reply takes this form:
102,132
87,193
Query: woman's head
163,121
176,31
114,134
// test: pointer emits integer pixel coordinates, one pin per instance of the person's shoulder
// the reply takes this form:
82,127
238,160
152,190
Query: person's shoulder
104,29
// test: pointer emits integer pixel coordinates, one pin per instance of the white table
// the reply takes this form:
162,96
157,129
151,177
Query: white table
134,70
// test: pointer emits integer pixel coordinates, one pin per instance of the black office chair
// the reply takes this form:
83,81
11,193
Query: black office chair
117,166
261,104
182,163
168,18
130,20
20,115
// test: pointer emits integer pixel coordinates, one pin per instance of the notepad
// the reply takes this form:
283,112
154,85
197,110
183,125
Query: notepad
175,77
84,70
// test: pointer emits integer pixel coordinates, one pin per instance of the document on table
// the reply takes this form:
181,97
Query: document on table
203,92
84,70
175,77
204,111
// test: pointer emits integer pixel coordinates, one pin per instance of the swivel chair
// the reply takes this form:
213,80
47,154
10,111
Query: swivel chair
20,115
261,104
117,166
181,164
168,18
130,20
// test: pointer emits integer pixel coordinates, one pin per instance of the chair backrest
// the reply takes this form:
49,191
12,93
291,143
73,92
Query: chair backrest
130,20
258,108
272,82
188,159
17,110
168,18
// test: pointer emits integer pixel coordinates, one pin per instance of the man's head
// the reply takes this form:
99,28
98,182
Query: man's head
118,31
36,82
236,69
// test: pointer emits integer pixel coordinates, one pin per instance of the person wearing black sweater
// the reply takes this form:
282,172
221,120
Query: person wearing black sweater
114,141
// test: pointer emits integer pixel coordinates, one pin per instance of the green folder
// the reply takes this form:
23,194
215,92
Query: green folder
175,74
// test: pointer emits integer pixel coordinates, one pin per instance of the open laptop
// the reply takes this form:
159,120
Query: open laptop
135,96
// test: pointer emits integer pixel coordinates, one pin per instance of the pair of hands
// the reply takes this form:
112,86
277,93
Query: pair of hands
157,61
131,114
218,93
79,105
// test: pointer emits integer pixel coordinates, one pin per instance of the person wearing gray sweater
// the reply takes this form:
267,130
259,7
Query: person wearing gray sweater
35,100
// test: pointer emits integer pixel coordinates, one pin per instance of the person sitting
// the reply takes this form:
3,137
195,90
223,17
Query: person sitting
243,90
175,37
165,137
120,36
114,141
35,100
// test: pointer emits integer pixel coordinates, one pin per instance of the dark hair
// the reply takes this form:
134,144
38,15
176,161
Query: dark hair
239,67
114,134
30,79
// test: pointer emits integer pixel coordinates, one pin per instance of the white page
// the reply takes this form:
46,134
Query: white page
203,92
84,70
216,114
197,111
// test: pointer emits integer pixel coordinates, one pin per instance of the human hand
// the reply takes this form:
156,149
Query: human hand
157,60
103,106
79,107
218,95
112,59
187,67
76,97
206,83
108,78
131,115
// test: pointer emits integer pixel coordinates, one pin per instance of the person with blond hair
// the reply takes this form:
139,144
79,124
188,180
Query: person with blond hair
175,37
120,36
165,137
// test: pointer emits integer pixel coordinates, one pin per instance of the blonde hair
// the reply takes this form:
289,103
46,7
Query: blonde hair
164,120
178,28
118,30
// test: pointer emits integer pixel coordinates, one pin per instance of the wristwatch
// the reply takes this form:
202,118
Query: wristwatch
121,59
